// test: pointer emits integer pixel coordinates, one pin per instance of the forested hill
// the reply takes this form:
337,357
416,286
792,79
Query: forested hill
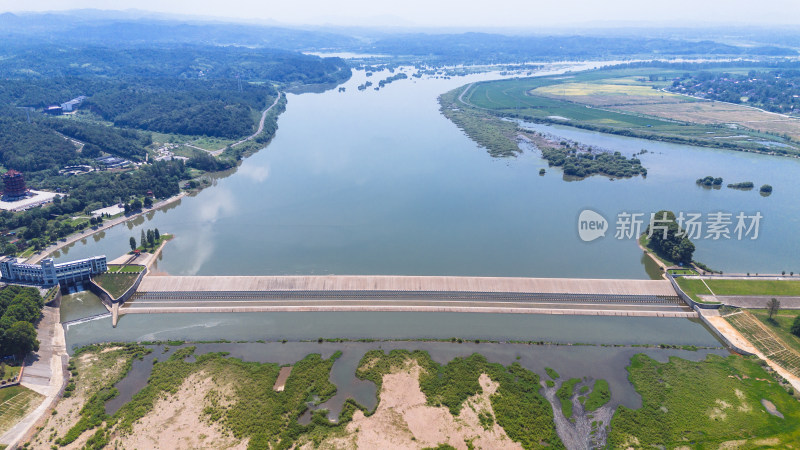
178,61
183,89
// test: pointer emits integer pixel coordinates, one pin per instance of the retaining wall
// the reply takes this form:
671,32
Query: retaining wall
107,299
688,299
722,337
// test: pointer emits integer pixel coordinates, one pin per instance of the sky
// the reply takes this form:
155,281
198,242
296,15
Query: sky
455,13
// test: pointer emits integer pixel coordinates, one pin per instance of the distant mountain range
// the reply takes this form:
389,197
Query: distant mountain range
141,28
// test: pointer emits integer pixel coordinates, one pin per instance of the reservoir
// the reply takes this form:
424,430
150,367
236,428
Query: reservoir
379,182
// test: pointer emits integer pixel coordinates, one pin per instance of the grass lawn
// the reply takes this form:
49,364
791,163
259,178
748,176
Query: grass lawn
693,288
15,403
778,288
682,272
755,287
782,324
116,283
9,372
726,406
131,268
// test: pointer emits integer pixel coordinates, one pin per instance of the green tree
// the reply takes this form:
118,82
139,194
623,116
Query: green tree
796,326
143,239
157,234
148,202
132,242
773,305
151,239
20,338
668,239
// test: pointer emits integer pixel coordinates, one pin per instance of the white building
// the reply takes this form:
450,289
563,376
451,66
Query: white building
48,273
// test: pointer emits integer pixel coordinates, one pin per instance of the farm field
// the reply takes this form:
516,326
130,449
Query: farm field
627,102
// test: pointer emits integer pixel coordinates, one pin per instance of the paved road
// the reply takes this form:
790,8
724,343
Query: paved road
90,231
754,301
491,302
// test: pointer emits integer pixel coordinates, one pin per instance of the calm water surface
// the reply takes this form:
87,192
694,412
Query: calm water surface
379,182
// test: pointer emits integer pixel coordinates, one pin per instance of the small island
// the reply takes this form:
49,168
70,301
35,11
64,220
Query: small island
744,185
710,181
765,190
583,164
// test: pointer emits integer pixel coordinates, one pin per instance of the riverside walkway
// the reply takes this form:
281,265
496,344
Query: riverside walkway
174,294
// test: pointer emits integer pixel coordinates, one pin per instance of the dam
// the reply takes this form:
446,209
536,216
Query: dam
619,297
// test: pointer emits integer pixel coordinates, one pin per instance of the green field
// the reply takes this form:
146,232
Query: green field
116,283
778,288
695,287
719,402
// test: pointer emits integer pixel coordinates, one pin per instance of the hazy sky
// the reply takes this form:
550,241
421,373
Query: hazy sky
458,13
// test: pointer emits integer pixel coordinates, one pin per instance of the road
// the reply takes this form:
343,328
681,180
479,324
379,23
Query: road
260,127
90,231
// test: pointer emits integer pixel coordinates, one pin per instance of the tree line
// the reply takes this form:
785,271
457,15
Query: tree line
20,308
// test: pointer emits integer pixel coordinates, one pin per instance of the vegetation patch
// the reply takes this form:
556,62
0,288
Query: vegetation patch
268,419
524,414
100,368
584,164
676,411
564,394
600,395
20,308
496,135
